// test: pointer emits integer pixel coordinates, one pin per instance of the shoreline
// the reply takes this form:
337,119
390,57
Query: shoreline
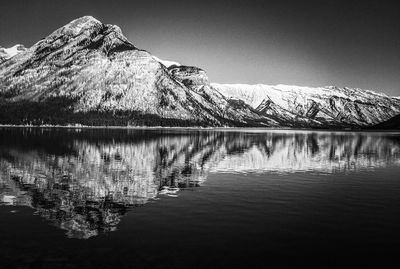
227,129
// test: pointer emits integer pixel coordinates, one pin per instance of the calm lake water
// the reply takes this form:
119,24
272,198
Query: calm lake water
174,198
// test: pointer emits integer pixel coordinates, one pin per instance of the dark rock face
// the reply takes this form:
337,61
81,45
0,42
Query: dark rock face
391,124
189,75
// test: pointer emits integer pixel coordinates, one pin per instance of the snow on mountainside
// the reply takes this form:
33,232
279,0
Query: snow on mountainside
7,53
315,106
87,72
165,62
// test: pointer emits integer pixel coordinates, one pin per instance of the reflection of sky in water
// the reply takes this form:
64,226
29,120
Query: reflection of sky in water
85,181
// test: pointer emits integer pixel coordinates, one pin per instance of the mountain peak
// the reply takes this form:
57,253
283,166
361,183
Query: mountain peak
82,35
86,19
82,25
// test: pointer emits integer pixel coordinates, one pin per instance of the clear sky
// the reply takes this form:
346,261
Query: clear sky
312,43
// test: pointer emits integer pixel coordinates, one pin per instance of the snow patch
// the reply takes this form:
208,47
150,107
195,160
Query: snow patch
12,51
166,62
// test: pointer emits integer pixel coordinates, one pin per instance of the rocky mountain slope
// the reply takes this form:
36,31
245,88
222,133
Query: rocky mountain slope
320,106
87,72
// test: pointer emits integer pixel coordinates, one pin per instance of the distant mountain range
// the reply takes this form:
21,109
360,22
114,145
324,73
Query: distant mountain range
89,73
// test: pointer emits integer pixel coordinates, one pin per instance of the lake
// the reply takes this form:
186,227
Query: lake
187,198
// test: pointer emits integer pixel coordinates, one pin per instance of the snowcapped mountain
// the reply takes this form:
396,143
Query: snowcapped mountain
87,72
166,62
318,106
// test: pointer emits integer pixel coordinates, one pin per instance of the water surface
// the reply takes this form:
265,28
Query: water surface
174,198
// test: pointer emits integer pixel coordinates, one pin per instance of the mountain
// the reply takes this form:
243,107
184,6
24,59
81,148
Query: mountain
315,107
90,73
87,72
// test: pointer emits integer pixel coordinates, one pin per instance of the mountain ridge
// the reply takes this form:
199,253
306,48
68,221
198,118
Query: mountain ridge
347,106
87,72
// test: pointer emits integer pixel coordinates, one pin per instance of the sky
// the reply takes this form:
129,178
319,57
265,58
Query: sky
307,43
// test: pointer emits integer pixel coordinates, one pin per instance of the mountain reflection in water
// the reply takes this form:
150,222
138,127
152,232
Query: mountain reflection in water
85,180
